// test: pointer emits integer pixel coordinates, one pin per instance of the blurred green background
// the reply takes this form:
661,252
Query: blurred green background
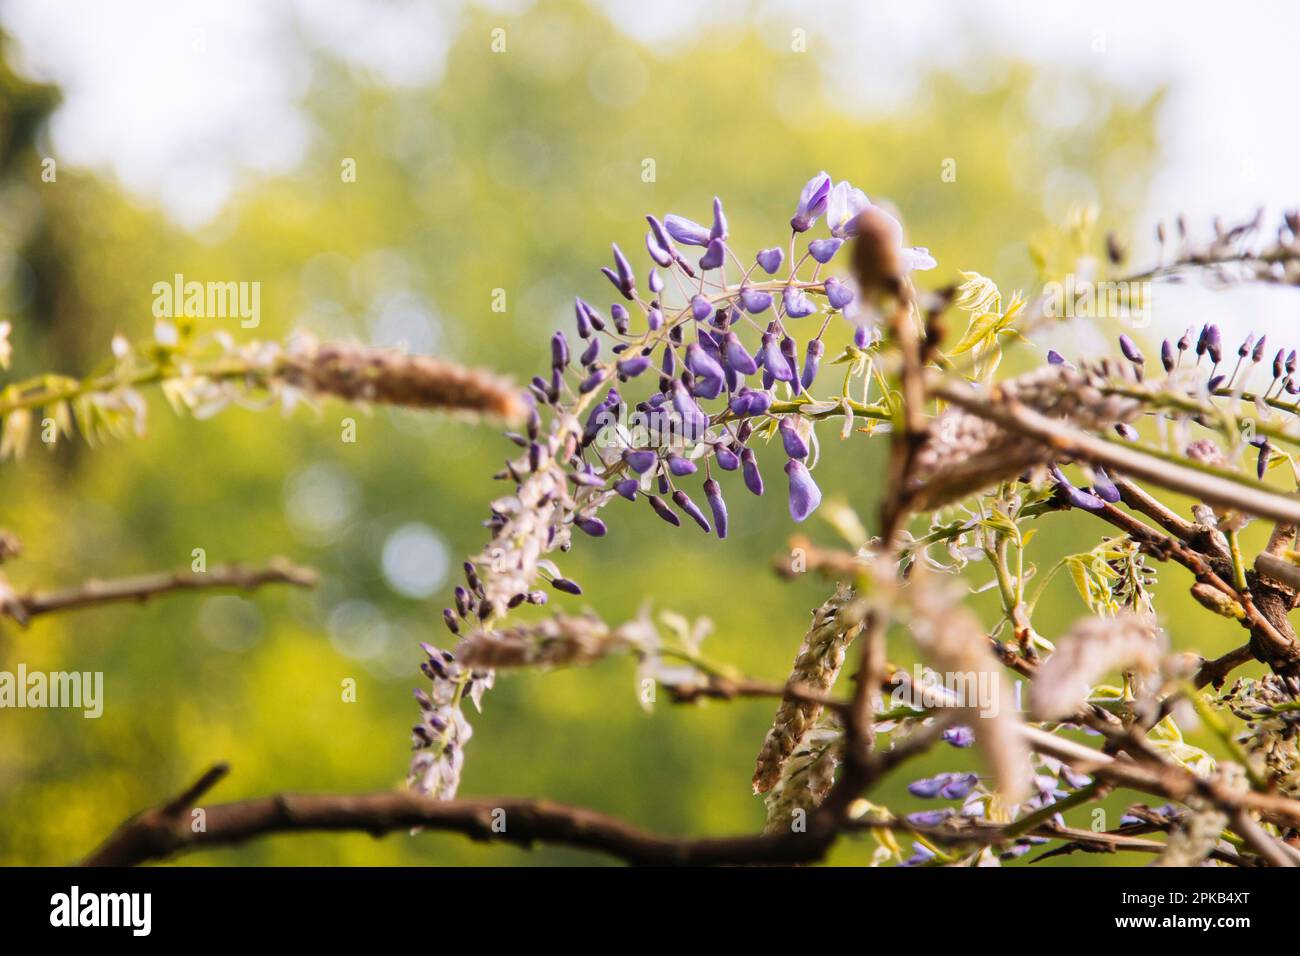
513,171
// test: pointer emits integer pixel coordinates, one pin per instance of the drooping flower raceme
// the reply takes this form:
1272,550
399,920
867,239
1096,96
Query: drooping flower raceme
663,391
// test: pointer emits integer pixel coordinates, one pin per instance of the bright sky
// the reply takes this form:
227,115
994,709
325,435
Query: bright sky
181,99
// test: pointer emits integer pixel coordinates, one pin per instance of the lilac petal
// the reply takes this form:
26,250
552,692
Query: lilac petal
795,446
726,458
823,250
929,818
805,496
719,230
774,361
681,467
812,361
705,368
658,253
959,787
714,256
737,355
701,308
755,301
686,231
959,736
770,259
640,460
797,305
812,202
838,294
753,480
918,259
1103,487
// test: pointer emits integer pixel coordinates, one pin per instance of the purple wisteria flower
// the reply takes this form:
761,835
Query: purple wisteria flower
812,202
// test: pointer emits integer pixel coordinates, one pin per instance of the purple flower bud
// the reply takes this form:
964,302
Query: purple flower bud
1185,342
655,319
449,618
640,460
837,293
1214,344
1077,497
627,487
626,278
755,301
590,353
862,336
565,585
1203,341
658,253
1258,353
701,308
727,459
559,350
680,467
717,505
1126,432
584,322
774,361
1103,487
1055,358
686,231
620,316
719,230
662,510
959,787
928,787
709,375
737,356
1291,362
812,202
760,400
797,305
1277,363
661,235
770,259
928,818
823,250
812,361
1167,355
959,735
1214,383
1130,350
714,256
805,496
1261,463
592,526
682,501
592,381
753,480
795,446
632,367
1244,349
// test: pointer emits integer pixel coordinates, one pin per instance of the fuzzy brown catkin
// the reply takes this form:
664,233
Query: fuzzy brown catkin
816,666
390,377
963,452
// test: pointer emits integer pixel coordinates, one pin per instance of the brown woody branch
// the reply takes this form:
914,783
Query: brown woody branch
23,607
